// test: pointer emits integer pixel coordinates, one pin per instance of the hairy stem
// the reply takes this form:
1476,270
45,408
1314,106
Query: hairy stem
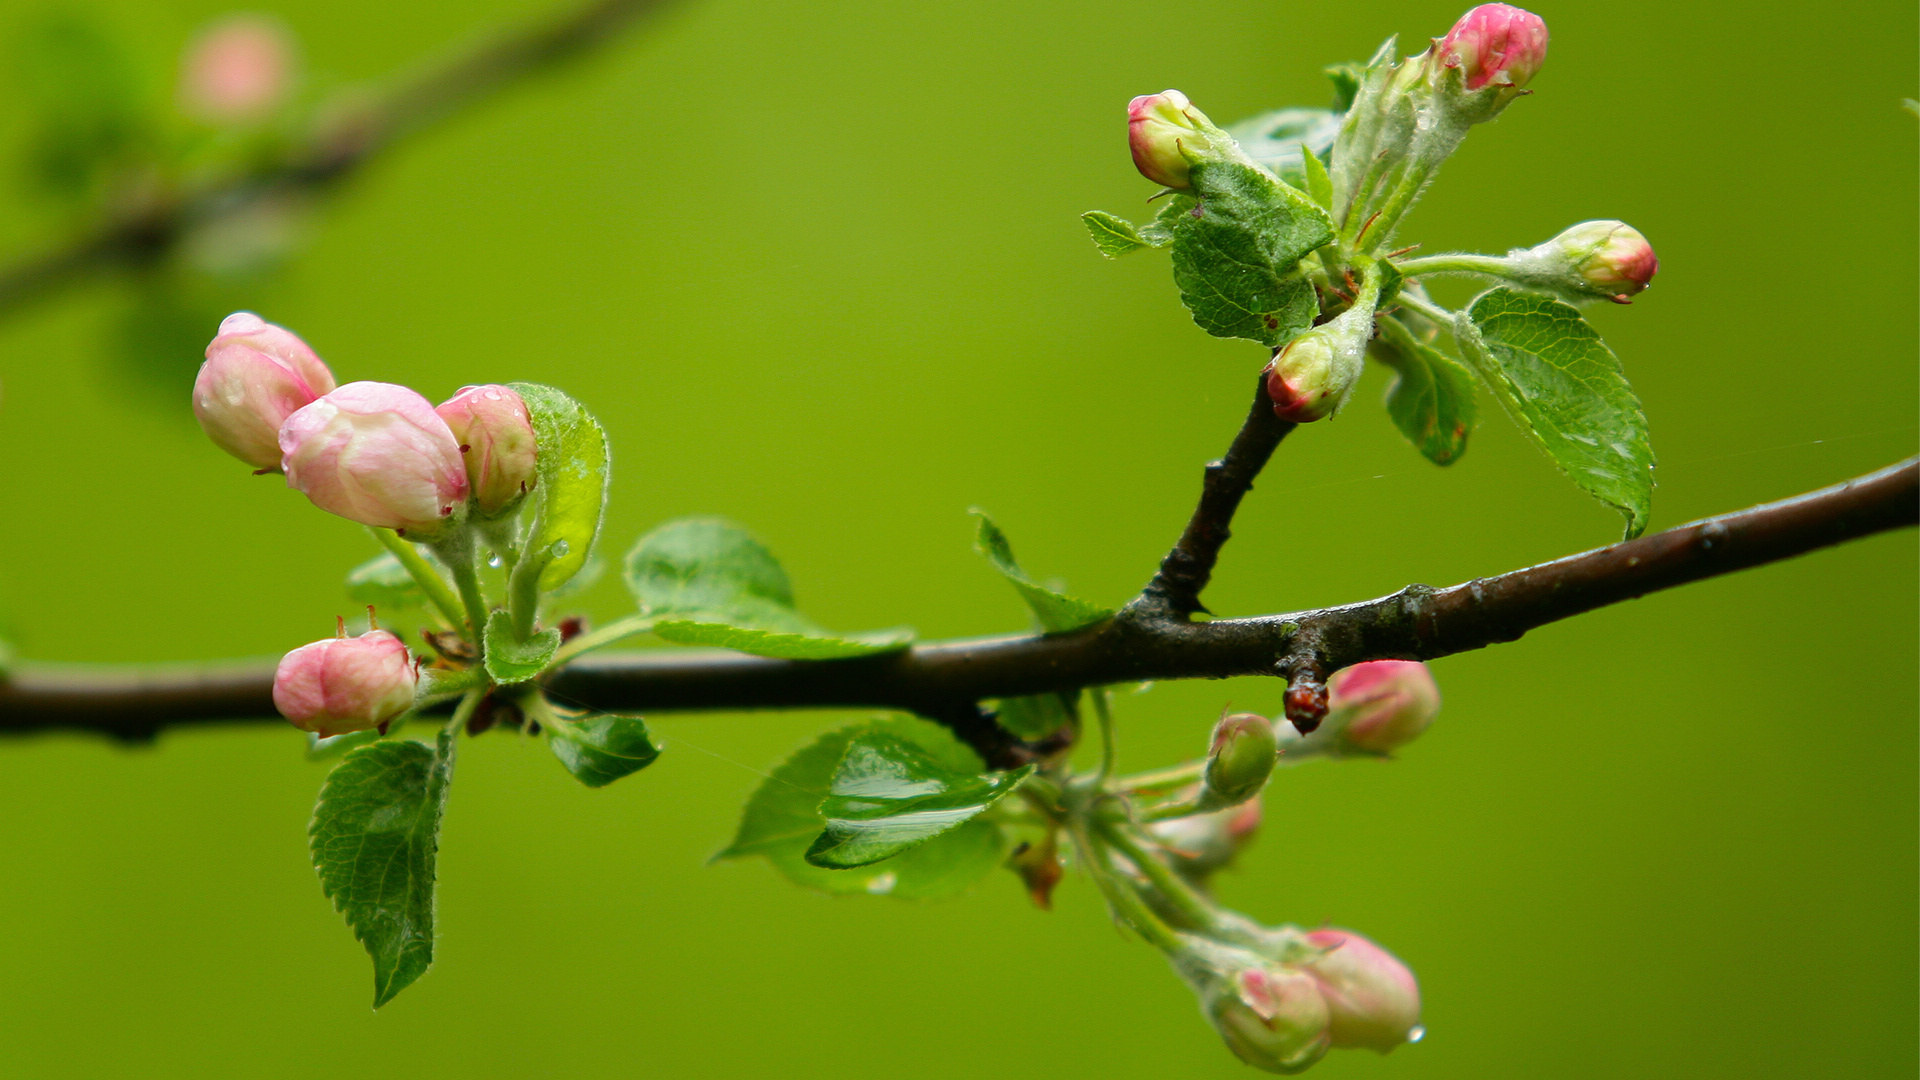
422,572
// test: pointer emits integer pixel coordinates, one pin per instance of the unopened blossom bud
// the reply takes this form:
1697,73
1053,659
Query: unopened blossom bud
495,436
255,376
1272,1018
1610,258
1384,704
1239,759
377,454
1168,134
1372,999
238,69
1304,380
345,684
1496,44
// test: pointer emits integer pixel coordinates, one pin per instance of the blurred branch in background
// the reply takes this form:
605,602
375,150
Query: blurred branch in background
942,680
148,218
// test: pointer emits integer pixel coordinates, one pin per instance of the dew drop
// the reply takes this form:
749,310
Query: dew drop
494,560
560,549
1414,1035
882,884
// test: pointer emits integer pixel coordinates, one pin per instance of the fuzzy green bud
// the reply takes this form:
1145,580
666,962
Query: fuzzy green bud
1239,760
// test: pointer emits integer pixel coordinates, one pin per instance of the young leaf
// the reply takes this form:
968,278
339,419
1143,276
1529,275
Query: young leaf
382,582
1114,236
1274,139
1036,717
1173,210
720,586
783,818
571,485
510,660
1236,255
1431,401
602,749
784,645
1317,184
374,837
1057,612
888,796
1566,389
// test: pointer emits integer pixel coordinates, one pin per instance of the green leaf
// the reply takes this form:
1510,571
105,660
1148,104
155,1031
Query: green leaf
782,819
602,749
1036,717
717,585
1175,209
1114,236
1432,400
1057,612
374,837
571,485
1346,83
1236,262
784,645
510,660
888,796
1274,139
1566,389
1318,185
384,583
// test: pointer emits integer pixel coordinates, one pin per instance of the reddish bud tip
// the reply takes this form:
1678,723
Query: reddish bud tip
1496,44
1389,702
1372,999
1166,133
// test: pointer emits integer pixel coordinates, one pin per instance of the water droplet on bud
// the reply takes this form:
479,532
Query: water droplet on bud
1414,1035
560,549
494,560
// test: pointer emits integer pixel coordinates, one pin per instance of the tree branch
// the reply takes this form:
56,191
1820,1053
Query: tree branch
944,680
328,154
1184,573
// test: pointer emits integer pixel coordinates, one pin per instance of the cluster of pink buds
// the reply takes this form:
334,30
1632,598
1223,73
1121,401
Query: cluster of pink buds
371,452
1282,1007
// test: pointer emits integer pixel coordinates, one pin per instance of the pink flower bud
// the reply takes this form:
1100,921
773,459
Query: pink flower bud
1496,44
1166,134
1388,702
238,69
345,684
1610,256
256,375
377,454
1200,844
1271,1018
1304,381
496,439
1240,759
1372,999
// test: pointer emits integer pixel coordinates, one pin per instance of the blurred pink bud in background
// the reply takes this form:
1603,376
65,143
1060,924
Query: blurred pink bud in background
237,70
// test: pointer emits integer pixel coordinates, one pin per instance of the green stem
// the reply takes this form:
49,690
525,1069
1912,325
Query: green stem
1104,714
1161,780
1454,263
463,712
458,552
423,574
1191,905
1126,903
1178,808
1428,310
616,630
1388,218
523,592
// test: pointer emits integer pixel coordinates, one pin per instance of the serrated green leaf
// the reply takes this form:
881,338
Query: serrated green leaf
375,835
1057,612
781,644
601,749
888,796
717,585
1566,389
510,660
571,490
782,819
1236,256
1274,139
1037,716
1432,399
1114,236
382,582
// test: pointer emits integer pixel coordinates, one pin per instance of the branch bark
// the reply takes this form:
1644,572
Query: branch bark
329,153
944,680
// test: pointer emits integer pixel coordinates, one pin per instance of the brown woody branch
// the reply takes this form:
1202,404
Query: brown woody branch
945,679
142,232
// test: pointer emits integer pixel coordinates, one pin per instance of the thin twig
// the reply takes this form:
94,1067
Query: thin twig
329,153
944,680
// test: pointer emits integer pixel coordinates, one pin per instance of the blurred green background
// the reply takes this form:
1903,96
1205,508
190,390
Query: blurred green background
818,268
